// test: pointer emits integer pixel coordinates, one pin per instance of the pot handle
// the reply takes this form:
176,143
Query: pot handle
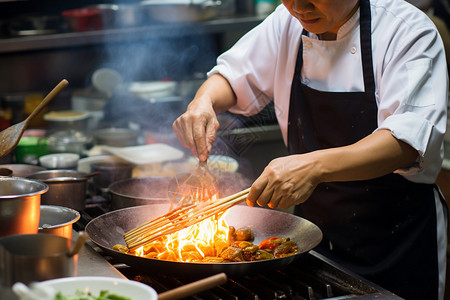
79,243
92,174
194,287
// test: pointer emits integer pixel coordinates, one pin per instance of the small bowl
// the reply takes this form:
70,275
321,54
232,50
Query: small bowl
57,220
59,160
94,284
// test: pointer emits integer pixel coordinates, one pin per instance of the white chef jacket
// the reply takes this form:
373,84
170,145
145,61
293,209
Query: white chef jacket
409,67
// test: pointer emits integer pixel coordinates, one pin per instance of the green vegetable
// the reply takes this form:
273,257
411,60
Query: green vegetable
80,295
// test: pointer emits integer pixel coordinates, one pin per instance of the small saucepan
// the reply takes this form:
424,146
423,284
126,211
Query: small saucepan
67,188
19,205
57,220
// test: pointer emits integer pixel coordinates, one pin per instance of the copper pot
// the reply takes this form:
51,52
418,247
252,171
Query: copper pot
20,201
58,220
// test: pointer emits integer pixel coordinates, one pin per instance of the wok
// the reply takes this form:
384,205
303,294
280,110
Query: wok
107,230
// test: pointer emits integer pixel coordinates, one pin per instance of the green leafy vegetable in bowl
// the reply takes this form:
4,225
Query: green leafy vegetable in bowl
80,295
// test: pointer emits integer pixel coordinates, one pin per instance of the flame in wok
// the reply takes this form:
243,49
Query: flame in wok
206,239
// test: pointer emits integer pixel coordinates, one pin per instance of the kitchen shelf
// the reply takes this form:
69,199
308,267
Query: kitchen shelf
157,30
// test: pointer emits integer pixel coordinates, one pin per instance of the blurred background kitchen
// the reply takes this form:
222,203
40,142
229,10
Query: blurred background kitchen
132,67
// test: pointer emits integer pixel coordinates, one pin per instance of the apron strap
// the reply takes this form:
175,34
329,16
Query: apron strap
366,52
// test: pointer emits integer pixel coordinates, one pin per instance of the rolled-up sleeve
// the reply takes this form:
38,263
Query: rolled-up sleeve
413,99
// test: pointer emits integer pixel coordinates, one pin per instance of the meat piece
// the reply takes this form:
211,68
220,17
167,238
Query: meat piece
244,234
233,254
285,249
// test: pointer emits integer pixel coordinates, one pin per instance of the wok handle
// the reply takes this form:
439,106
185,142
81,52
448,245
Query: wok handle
194,287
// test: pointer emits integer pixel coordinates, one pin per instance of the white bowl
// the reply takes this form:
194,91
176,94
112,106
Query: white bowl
59,160
94,284
148,89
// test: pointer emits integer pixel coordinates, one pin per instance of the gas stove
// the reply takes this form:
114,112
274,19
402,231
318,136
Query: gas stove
310,277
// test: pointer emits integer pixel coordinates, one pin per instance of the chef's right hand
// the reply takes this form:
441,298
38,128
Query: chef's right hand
196,128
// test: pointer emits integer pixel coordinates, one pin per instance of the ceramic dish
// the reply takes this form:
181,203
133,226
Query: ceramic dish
123,287
59,160
149,89
84,164
145,154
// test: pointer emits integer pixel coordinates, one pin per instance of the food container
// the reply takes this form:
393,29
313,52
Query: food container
84,19
181,10
19,205
35,257
57,220
65,188
22,170
116,137
29,149
73,141
67,119
119,15
92,102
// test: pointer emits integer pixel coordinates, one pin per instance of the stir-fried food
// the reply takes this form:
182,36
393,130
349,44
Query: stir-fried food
237,247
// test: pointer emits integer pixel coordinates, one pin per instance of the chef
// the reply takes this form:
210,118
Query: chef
360,92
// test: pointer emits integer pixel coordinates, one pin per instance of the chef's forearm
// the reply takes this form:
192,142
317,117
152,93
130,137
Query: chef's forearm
219,92
376,155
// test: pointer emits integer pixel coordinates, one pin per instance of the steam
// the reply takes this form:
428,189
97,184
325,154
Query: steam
170,51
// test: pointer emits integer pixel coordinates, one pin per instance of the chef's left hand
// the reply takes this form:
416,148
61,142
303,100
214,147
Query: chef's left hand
290,180
285,182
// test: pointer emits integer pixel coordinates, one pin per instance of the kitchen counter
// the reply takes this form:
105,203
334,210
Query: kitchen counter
90,263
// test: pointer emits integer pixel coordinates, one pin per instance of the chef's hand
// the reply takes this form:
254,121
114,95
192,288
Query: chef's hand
285,182
196,128
290,180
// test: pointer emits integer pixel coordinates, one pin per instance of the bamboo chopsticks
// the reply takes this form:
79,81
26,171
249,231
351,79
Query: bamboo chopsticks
178,219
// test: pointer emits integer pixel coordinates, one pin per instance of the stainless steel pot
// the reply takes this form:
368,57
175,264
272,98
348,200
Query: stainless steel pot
19,205
110,172
35,257
23,170
181,11
66,188
57,220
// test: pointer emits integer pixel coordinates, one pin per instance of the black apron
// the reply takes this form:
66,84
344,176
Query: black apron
383,229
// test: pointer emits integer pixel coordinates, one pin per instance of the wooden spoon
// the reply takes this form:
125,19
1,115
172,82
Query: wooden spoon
194,287
9,138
